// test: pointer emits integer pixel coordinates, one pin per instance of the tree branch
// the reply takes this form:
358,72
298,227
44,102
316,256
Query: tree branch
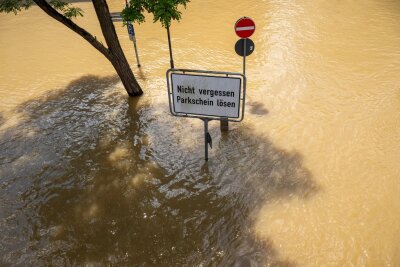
74,27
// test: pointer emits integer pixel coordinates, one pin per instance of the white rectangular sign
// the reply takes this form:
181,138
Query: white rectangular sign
206,95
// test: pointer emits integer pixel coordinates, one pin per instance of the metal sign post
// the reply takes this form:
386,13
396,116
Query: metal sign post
136,53
115,17
244,28
244,56
244,47
207,139
131,32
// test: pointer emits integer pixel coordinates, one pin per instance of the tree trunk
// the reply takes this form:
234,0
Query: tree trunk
117,59
125,74
114,52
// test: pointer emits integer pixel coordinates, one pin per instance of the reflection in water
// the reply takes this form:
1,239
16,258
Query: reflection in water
309,178
92,189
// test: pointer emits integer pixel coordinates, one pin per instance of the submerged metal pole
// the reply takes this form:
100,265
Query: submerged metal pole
170,49
133,38
136,52
244,56
205,139
224,125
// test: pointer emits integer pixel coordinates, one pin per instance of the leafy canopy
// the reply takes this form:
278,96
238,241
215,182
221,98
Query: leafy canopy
162,10
63,7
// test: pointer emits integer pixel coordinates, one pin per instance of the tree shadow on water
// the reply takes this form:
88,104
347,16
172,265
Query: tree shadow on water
2,119
245,172
93,177
257,108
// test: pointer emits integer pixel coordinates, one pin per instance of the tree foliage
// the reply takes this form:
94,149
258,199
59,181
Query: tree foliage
63,7
162,10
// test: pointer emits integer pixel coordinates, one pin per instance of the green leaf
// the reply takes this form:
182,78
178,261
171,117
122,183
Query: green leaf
73,12
66,8
58,4
162,10
8,6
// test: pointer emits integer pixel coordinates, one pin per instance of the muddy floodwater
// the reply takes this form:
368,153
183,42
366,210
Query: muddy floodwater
311,177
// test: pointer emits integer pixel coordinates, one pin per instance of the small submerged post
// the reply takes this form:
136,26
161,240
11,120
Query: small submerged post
207,139
136,52
224,125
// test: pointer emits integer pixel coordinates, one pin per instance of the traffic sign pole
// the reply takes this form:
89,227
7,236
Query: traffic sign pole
136,52
244,57
244,28
205,139
131,33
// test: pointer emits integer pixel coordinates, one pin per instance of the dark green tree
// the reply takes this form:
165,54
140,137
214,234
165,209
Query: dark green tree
163,10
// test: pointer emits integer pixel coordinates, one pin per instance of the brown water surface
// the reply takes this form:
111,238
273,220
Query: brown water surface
309,178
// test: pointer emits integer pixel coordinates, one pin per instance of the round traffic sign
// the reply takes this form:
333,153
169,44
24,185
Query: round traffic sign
245,27
240,47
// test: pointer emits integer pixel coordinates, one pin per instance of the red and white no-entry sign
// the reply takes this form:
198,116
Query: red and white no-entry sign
245,27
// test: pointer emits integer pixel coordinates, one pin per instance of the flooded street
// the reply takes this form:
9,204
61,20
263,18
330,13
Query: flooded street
89,176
